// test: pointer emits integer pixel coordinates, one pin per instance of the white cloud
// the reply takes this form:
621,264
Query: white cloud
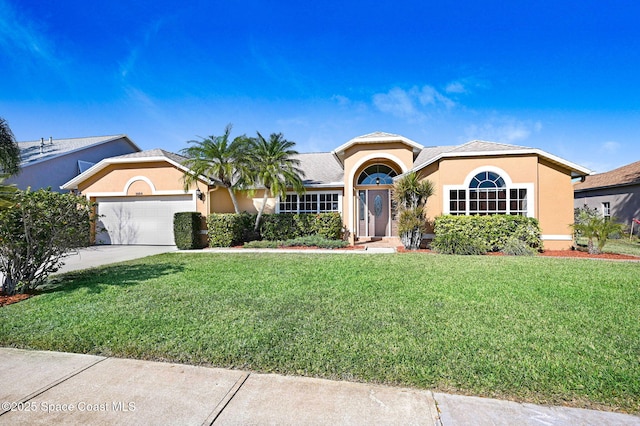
503,129
410,104
19,36
455,87
610,147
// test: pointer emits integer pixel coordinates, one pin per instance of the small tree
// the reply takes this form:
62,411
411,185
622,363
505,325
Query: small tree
37,233
411,195
9,150
598,228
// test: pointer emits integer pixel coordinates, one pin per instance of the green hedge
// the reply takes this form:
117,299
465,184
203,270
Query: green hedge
229,229
186,230
287,226
494,231
226,230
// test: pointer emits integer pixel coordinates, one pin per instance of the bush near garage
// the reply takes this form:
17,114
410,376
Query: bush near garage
37,232
186,230
494,231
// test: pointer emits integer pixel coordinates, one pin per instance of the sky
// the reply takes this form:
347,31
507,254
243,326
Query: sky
561,76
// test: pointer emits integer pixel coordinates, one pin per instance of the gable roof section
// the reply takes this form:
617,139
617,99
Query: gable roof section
149,156
32,152
321,169
374,138
622,176
483,148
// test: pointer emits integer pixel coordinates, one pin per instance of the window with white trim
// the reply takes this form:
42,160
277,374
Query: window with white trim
313,202
606,210
487,194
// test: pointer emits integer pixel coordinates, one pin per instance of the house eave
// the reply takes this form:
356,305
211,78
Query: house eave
576,170
73,183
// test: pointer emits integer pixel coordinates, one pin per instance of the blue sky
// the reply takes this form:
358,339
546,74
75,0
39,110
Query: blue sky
562,76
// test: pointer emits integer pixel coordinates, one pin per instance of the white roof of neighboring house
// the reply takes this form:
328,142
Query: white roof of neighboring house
41,150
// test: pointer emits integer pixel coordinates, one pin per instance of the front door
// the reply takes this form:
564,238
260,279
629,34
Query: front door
378,209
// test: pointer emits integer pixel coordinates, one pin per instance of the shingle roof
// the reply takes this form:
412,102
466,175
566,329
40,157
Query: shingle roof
625,175
37,150
320,168
152,153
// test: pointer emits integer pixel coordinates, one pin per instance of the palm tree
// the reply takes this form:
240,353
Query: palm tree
9,150
599,228
274,167
411,195
7,194
221,159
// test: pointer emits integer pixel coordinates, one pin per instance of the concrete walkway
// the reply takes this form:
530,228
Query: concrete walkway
91,257
41,387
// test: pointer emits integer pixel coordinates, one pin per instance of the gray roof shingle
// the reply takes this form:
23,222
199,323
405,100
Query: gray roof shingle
320,168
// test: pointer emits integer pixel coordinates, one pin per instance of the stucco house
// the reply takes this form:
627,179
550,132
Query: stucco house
138,193
53,162
615,193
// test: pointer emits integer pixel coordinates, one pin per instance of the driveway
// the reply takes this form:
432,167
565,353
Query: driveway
103,255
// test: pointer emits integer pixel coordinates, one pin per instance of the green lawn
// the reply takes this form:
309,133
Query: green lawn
558,331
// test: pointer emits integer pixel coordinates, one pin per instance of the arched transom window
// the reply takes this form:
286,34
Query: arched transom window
378,174
486,194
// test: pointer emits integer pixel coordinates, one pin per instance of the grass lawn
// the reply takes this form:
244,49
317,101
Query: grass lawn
623,246
544,330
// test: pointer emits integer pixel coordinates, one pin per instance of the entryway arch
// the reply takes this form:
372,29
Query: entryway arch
372,184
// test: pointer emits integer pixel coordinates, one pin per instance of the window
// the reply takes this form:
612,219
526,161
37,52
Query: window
378,174
315,202
487,194
606,210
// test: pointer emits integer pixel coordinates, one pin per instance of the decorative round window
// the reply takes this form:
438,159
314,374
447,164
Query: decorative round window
378,174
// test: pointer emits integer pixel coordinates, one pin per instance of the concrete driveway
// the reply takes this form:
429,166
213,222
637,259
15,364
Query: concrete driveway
93,256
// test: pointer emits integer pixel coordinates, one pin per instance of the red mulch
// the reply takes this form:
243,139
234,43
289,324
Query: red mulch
7,300
550,253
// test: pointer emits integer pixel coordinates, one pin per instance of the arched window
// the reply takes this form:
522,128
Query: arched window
378,174
488,193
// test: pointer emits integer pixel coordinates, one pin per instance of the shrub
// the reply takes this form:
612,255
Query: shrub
186,230
329,225
37,232
598,229
453,243
516,247
229,229
306,241
286,226
493,230
280,226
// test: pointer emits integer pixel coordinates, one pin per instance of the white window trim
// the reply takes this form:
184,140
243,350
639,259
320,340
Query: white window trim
339,193
509,184
606,209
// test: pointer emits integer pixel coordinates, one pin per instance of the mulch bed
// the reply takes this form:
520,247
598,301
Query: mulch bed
550,253
7,300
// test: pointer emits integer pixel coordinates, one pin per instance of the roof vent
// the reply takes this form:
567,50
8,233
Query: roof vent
50,140
41,145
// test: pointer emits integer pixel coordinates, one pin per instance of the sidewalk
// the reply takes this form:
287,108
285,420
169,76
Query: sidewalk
52,387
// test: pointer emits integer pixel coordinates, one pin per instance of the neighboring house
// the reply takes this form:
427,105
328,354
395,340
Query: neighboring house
52,162
614,193
355,180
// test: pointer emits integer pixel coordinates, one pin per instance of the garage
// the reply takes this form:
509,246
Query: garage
140,220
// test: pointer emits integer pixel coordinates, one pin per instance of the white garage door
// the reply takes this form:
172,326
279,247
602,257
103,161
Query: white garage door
140,220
